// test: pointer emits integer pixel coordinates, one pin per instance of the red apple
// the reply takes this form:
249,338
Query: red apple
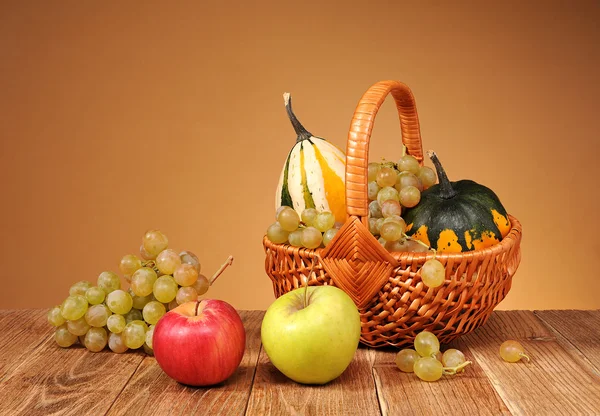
200,343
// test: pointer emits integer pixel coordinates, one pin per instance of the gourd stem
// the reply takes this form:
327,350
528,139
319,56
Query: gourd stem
447,191
302,133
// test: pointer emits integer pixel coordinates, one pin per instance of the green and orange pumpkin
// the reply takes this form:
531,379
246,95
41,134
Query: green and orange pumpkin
457,216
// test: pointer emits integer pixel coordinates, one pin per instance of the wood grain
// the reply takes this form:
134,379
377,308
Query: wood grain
151,392
468,393
22,332
578,332
70,381
353,393
552,383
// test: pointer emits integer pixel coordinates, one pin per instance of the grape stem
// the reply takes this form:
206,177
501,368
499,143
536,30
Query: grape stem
225,265
523,355
449,371
421,243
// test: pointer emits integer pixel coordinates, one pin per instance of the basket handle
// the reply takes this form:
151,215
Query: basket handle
357,147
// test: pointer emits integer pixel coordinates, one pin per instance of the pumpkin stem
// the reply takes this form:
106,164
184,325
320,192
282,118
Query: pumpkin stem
447,191
302,133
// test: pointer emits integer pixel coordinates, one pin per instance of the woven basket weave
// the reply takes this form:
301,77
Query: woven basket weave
393,302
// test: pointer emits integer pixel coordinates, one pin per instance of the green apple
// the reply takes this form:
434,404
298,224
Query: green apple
312,343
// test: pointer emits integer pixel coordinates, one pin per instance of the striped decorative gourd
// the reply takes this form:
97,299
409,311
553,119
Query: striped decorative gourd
313,175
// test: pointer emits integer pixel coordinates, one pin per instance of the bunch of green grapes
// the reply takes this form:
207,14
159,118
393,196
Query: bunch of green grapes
393,187
427,361
106,314
310,230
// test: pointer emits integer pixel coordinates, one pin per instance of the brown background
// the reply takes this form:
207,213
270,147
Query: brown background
118,118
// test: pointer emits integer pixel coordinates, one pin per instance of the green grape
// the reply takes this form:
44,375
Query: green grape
397,246
55,318
373,190
63,337
142,281
308,216
453,358
397,219
129,264
512,351
409,163
145,255
373,170
95,295
405,360
133,315
119,302
295,238
116,323
427,177
311,237
324,221
185,294
375,210
281,208
109,281
185,275
187,257
148,350
97,315
78,327
116,343
382,241
426,344
391,231
165,289
416,247
80,288
386,177
428,369
407,179
201,285
140,301
74,307
288,219
154,242
328,236
167,261
387,193
96,339
433,273
378,225
439,356
391,207
153,311
373,226
134,334
409,196
149,336
276,234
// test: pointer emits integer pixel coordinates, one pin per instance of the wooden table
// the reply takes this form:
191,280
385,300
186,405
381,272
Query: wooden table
563,377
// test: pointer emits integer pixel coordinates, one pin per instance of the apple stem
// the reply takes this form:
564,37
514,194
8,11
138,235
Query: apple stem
225,265
197,306
306,282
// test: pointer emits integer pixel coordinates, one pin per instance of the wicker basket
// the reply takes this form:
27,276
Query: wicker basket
393,302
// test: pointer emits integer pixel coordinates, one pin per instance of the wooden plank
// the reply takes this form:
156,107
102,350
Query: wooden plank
468,393
552,383
22,332
353,393
151,392
578,332
71,381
